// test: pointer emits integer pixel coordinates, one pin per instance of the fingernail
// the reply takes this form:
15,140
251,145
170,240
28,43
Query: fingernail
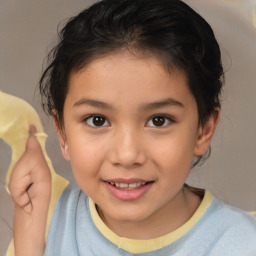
32,130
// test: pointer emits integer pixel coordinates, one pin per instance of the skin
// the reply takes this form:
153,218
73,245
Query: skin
127,145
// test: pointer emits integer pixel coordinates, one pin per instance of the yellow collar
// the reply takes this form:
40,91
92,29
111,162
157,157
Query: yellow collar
143,246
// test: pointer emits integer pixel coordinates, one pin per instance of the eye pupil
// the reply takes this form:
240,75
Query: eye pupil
98,120
158,121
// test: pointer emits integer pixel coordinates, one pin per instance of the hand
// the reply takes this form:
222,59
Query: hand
30,187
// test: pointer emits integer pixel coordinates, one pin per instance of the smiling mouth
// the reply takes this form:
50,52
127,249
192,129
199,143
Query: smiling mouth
127,190
128,186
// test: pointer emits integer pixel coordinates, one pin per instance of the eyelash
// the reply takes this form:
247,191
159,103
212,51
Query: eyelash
164,118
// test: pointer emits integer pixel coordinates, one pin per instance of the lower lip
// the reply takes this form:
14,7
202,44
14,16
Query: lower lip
128,195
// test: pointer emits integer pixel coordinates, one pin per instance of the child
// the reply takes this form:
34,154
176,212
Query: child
133,88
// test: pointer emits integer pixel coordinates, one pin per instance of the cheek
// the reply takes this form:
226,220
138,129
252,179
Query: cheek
174,162
86,156
175,152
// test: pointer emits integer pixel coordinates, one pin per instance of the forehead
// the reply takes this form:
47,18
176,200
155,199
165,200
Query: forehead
128,77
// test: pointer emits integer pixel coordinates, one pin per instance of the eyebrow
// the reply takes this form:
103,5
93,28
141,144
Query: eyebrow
92,103
148,106
169,102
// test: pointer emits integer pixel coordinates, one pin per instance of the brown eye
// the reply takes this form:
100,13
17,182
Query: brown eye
160,121
97,121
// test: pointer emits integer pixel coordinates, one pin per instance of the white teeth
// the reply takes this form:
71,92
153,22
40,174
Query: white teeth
134,185
123,185
126,186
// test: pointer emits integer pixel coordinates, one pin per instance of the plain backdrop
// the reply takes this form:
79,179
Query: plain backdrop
28,31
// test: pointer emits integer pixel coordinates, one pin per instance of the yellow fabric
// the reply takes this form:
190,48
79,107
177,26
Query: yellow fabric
16,117
143,246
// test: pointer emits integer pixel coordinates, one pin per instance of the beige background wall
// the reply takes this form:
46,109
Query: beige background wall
28,30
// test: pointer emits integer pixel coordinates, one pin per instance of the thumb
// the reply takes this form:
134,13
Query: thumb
32,143
21,178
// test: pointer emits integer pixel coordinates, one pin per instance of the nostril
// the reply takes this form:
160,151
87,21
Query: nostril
127,150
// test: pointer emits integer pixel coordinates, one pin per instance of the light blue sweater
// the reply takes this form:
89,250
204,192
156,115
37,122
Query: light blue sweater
219,230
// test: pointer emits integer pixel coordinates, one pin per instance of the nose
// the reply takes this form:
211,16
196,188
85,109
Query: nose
128,149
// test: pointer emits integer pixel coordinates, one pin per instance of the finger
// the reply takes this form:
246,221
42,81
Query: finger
19,188
24,202
30,171
37,162
21,179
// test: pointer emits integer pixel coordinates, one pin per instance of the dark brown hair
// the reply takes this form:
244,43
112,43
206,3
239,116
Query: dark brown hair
169,29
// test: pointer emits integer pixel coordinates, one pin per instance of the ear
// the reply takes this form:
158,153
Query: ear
205,133
62,138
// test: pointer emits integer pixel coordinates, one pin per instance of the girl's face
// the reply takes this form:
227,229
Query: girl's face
130,132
